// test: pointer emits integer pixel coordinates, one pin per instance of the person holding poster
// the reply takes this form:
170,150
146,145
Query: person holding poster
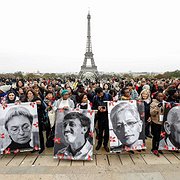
11,97
156,111
31,96
64,102
84,102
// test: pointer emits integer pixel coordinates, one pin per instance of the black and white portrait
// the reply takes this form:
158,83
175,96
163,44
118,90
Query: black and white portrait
74,134
170,135
126,126
19,128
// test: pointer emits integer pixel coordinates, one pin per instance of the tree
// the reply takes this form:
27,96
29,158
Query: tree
18,75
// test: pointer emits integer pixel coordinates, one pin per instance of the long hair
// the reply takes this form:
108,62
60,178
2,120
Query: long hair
33,91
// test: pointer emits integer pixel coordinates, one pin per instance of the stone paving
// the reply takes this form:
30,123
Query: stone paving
141,165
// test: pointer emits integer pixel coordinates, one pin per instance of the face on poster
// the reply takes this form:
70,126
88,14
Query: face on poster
74,134
170,135
126,125
19,128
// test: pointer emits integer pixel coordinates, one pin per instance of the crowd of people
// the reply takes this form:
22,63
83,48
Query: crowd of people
51,94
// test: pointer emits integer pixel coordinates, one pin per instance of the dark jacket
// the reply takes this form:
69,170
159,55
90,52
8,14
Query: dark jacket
147,110
99,101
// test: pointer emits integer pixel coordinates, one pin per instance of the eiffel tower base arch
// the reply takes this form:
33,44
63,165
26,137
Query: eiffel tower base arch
87,71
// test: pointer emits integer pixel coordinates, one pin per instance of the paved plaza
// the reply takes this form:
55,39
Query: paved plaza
141,165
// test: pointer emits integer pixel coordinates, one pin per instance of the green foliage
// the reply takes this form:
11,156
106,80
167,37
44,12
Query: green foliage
31,76
166,75
20,75
128,76
49,75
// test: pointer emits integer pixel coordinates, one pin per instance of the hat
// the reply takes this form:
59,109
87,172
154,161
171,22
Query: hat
146,86
64,92
5,88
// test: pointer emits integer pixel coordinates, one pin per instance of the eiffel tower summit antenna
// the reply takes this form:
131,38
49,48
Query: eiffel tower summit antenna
89,55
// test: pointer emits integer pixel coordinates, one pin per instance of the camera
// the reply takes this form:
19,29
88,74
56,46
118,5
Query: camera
103,107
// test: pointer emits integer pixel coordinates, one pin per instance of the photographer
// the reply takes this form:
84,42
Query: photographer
102,116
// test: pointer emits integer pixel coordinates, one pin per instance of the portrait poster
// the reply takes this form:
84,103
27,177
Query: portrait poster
126,125
19,129
74,134
170,133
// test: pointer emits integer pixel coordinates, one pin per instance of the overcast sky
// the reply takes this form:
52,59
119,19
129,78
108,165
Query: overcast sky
127,35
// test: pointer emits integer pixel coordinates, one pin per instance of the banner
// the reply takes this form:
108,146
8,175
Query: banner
126,125
170,134
19,129
74,134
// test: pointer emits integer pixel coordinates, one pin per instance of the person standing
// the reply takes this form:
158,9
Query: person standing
64,102
156,111
3,92
84,102
11,97
31,96
132,90
102,116
125,94
146,98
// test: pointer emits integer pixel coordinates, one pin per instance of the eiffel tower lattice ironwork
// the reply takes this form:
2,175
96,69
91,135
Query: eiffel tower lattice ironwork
89,55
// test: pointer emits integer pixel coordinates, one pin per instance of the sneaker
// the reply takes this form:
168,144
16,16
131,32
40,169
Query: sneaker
41,150
106,148
155,152
98,147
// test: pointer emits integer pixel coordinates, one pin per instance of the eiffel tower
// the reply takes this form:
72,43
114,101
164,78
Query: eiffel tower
89,55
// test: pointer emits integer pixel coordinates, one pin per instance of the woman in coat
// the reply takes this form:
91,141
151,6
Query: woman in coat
31,96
